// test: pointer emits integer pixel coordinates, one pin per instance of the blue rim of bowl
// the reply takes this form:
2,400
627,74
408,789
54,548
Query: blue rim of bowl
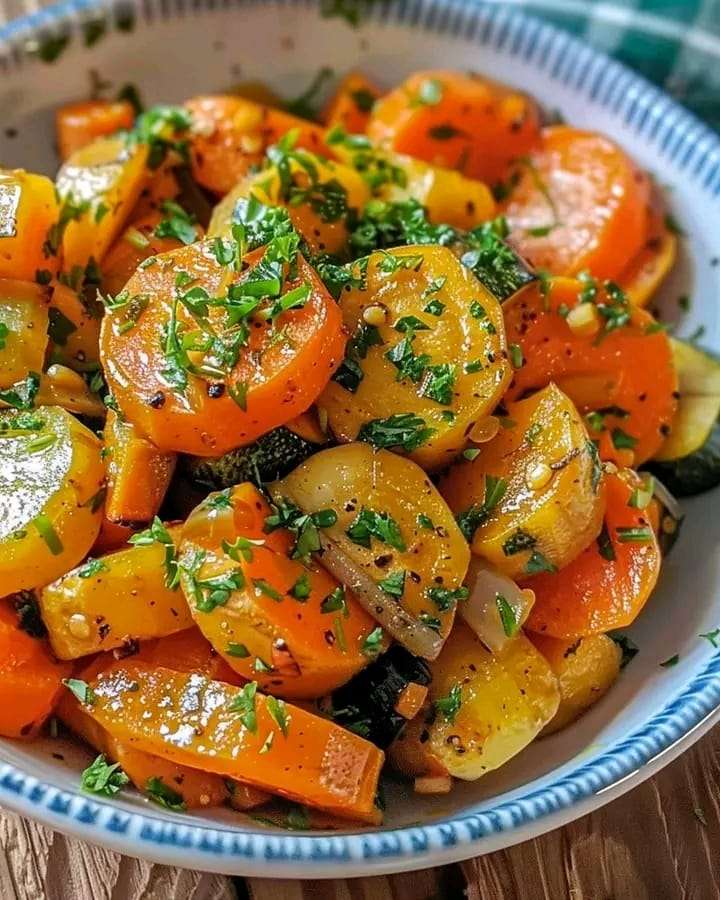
695,150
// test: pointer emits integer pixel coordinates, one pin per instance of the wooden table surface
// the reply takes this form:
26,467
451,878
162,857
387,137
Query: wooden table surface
659,842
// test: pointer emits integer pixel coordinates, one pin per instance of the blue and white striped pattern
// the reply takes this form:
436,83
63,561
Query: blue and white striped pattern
690,147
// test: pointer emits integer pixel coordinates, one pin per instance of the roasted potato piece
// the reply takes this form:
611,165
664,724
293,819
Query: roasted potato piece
532,499
585,669
485,709
98,186
394,541
28,214
51,479
23,330
115,600
427,345
289,626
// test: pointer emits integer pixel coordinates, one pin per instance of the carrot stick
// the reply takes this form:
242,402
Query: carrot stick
78,124
226,730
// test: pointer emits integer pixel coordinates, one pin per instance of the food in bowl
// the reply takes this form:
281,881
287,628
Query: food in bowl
332,444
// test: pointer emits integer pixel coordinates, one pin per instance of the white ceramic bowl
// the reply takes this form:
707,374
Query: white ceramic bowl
180,47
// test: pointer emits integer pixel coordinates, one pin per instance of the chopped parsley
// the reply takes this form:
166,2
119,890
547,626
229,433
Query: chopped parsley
160,793
304,526
507,615
157,533
278,712
472,518
92,567
101,778
176,224
449,706
445,598
335,602
394,583
302,588
372,644
518,543
81,689
402,430
380,525
628,647
240,651
244,704
539,563
47,532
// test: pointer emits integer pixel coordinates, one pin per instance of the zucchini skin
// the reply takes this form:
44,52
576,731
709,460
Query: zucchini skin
695,473
270,457
366,704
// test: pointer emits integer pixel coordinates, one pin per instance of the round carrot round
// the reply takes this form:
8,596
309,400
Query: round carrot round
278,374
608,584
457,121
623,375
578,202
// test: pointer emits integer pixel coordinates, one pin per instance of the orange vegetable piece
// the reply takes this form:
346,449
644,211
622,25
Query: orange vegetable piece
311,760
645,272
351,104
111,537
30,678
187,651
580,203
198,789
138,473
308,649
231,134
28,211
283,378
594,593
137,243
457,121
627,374
78,124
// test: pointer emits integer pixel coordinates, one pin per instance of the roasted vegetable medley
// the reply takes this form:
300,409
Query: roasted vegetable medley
332,443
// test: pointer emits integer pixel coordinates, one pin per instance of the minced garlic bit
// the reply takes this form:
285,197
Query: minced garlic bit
584,320
375,315
78,626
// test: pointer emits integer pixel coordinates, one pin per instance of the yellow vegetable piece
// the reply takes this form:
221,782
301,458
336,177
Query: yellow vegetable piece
23,329
586,669
28,212
138,473
308,759
699,406
61,386
646,272
112,602
447,195
51,479
395,542
321,235
75,332
290,627
421,302
98,187
487,708
540,478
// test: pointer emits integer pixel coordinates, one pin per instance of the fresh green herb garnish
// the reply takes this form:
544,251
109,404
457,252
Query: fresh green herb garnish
92,567
394,583
244,703
101,778
471,519
404,430
507,615
449,706
157,533
302,588
539,563
445,598
81,689
240,651
334,602
278,712
380,525
160,793
47,532
372,644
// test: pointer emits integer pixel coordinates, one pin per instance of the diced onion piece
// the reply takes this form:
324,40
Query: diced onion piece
433,784
411,700
584,320
483,610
